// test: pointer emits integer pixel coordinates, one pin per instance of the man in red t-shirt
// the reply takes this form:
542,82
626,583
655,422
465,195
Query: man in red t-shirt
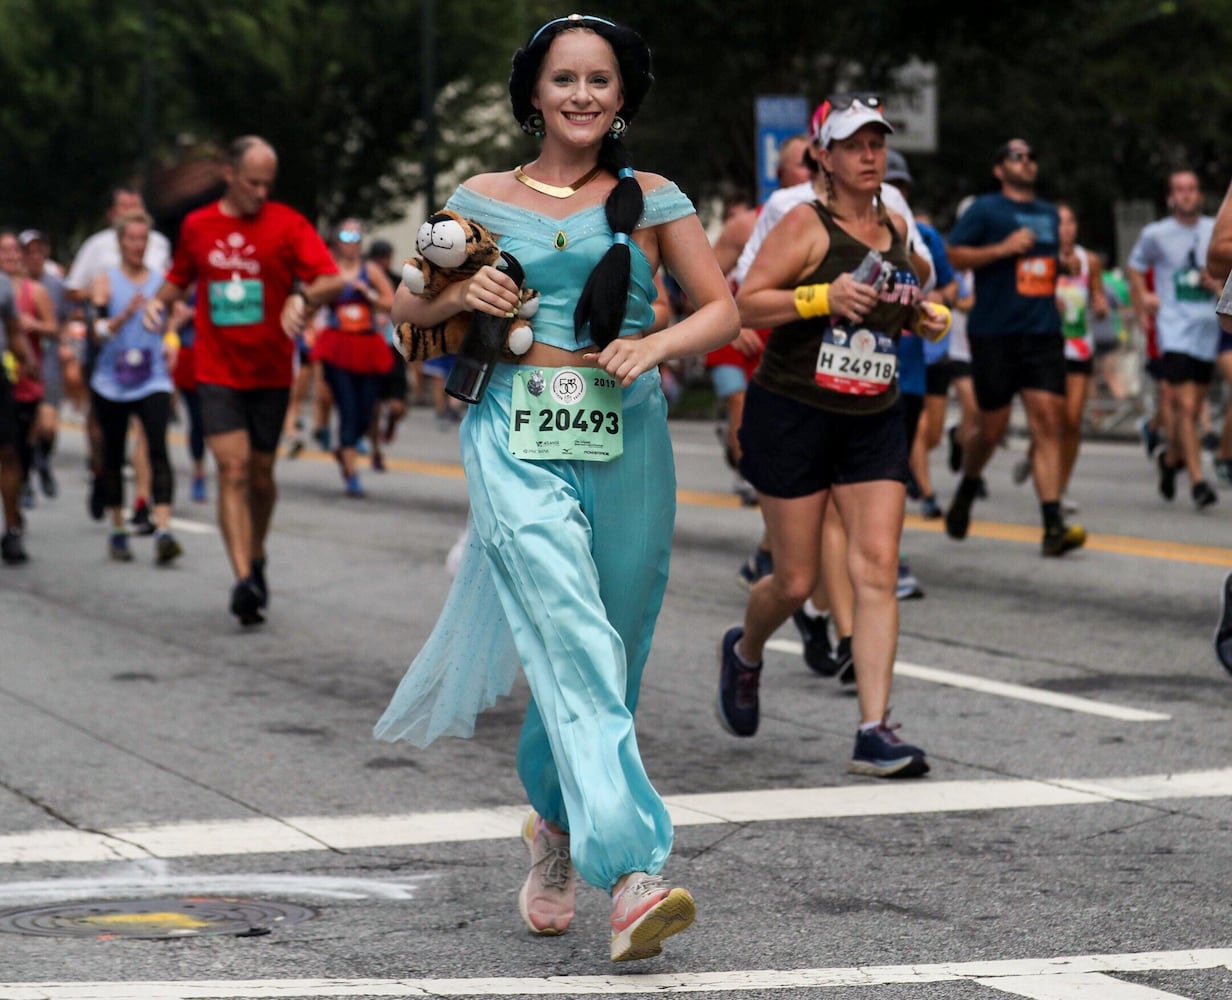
244,255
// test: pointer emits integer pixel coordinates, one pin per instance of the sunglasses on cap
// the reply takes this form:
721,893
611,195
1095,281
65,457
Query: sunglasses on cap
577,19
349,236
843,102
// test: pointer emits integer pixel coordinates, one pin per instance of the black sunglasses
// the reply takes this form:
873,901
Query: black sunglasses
1020,156
841,102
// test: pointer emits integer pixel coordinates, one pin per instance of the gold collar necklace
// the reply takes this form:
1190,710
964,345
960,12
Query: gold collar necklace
551,190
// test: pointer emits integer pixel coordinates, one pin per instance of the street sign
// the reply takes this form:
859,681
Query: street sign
911,107
778,117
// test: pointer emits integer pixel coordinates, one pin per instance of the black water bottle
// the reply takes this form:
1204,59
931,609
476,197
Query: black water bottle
482,345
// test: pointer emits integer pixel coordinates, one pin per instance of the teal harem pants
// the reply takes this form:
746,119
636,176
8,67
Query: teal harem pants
578,554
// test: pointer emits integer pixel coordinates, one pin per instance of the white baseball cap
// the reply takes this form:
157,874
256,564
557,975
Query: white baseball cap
840,116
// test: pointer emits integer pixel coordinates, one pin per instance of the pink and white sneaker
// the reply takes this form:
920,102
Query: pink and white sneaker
645,913
546,899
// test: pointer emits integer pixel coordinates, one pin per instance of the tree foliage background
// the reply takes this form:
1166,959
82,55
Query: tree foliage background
1112,93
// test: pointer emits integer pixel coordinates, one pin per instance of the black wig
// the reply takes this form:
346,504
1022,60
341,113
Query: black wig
604,299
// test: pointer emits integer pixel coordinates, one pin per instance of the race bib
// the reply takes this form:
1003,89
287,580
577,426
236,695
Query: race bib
856,362
133,366
1072,304
354,317
238,302
1188,286
572,413
1037,276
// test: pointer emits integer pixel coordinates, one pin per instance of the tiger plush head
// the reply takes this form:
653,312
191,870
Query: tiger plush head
452,248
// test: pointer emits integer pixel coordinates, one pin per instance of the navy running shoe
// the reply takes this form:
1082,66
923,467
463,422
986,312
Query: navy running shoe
880,753
759,564
738,707
1223,631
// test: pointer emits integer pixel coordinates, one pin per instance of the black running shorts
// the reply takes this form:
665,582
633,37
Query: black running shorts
1176,368
260,412
8,412
1004,364
793,450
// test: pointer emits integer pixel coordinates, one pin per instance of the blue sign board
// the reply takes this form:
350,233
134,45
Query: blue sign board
778,117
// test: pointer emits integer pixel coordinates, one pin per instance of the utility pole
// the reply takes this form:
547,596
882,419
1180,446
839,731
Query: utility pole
427,83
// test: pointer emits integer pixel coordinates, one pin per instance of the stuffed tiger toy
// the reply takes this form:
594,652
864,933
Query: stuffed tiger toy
452,248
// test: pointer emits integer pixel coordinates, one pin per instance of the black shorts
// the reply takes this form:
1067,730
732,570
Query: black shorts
8,413
939,375
1004,364
393,383
1154,367
1176,368
260,412
793,450
1075,367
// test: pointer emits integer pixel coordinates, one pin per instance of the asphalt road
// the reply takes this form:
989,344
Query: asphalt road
157,763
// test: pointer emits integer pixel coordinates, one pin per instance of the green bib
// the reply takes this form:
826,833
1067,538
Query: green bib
568,413
1188,286
238,302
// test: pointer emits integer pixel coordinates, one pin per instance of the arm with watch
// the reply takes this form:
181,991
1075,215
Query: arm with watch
305,298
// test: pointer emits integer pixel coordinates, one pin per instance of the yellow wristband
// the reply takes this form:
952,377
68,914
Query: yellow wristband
949,320
813,300
171,340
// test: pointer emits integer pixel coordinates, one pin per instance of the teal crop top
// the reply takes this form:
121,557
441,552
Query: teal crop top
559,275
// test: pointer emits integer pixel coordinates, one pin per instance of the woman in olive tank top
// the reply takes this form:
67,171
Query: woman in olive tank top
822,418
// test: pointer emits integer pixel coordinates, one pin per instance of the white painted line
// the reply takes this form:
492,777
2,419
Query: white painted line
193,527
298,834
1026,972
970,682
1076,986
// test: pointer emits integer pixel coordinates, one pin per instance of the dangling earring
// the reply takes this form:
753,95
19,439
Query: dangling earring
618,127
533,124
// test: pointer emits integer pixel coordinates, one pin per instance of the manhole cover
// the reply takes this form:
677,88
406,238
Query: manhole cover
154,918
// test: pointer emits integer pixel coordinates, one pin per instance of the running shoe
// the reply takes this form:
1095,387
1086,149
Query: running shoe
744,490
27,497
1223,470
760,563
378,461
94,502
908,586
880,753
913,487
546,899
295,447
1150,437
246,602
166,549
321,437
256,572
354,489
118,548
738,706
958,517
1210,441
1223,631
1021,471
1203,495
47,479
846,663
645,912
815,634
198,489
1061,539
141,521
956,453
930,510
1167,476
12,549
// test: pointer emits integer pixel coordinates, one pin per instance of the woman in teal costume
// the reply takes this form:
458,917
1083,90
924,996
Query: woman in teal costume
572,553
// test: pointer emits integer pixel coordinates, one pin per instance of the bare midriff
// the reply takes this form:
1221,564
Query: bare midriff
547,356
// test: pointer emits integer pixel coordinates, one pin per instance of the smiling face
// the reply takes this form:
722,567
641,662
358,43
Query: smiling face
133,238
578,91
10,254
857,162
